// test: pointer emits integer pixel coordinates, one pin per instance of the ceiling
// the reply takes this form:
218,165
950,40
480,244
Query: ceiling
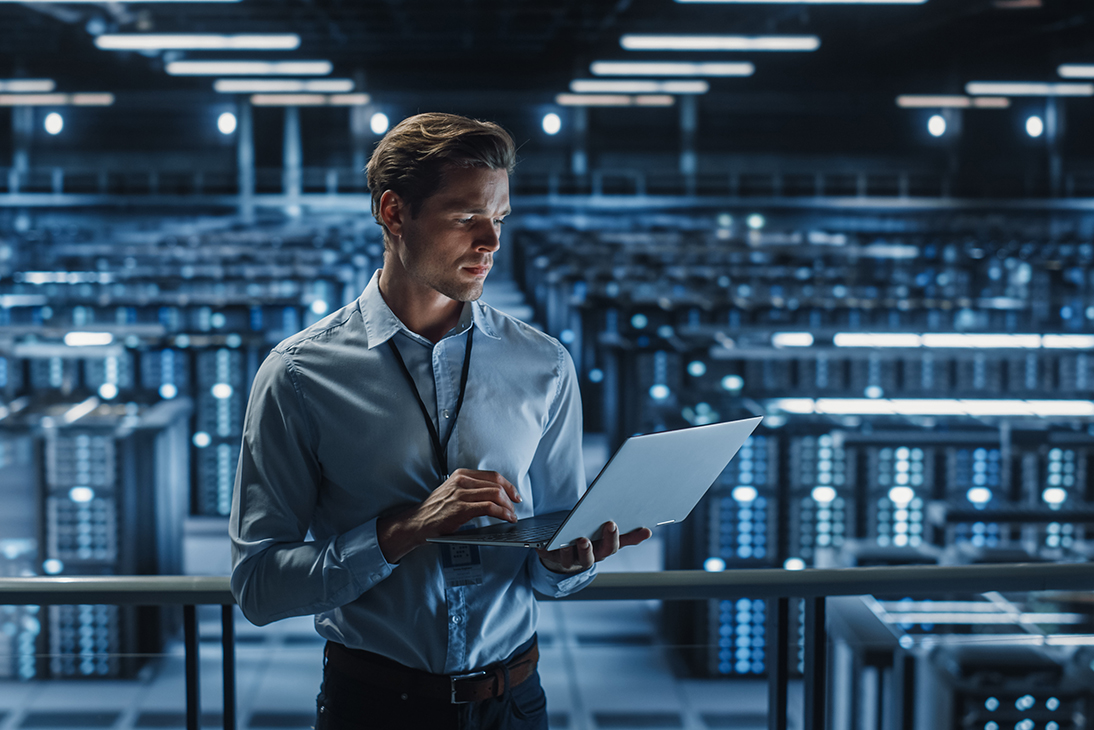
483,47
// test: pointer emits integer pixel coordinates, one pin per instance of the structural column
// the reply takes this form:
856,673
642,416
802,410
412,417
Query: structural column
245,158
579,161
1054,131
689,126
359,117
292,159
22,123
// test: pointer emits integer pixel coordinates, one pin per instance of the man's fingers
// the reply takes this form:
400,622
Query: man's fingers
635,536
608,544
479,478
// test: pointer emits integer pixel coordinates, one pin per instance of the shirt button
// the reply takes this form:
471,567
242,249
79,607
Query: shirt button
455,619
445,413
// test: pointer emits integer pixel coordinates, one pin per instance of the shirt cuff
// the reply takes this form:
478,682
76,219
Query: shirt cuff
557,585
360,552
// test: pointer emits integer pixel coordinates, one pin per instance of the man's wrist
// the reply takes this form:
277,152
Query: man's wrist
396,537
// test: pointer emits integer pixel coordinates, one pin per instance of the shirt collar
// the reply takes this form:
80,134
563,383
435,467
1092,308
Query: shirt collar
381,324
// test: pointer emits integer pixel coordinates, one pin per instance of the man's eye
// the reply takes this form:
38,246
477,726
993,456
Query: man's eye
498,222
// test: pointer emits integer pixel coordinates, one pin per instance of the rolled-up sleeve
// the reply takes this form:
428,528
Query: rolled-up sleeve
557,473
276,571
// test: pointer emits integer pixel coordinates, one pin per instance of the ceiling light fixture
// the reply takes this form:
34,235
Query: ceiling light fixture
1076,70
283,86
198,42
1024,88
952,101
310,99
670,68
249,68
27,86
56,99
720,43
614,100
604,86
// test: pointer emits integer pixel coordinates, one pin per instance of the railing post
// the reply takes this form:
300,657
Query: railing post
228,647
814,715
778,661
193,690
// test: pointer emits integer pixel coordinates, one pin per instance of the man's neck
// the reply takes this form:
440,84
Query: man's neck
424,311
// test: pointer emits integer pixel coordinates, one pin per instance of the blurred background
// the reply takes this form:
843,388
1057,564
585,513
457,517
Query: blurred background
871,221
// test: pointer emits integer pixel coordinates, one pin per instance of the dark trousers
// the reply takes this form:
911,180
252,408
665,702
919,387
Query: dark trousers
344,703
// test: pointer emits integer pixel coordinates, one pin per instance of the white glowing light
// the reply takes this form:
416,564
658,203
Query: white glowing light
733,383
1035,126
282,86
714,565
222,391
197,42
983,341
671,68
792,339
936,125
901,495
88,339
979,496
635,42
744,494
614,100
605,86
941,101
226,123
319,307
1083,342
379,123
108,391
794,564
202,439
249,68
697,368
823,495
876,339
168,391
54,123
81,494
1021,88
552,123
56,99
310,99
53,566
28,86
659,392
1054,496
755,221
1076,70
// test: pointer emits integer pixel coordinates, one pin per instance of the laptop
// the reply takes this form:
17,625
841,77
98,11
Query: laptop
652,480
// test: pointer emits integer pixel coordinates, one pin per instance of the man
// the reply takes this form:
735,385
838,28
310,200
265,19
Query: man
406,415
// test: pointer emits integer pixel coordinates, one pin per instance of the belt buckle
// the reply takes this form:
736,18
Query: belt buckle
459,677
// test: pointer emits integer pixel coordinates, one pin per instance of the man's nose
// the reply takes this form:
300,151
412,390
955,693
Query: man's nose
489,238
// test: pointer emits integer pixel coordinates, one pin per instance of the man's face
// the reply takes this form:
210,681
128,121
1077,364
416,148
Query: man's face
450,246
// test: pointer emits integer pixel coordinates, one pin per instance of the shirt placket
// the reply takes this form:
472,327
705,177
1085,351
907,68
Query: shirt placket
455,597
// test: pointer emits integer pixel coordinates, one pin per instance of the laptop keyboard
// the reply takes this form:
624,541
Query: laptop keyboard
526,534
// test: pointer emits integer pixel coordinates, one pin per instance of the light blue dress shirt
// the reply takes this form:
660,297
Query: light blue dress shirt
334,439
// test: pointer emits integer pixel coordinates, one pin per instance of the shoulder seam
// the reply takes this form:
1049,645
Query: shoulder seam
290,369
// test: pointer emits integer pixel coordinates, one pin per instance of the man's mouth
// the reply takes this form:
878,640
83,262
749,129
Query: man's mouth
477,270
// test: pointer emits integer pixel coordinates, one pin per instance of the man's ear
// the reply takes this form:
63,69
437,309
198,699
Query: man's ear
392,212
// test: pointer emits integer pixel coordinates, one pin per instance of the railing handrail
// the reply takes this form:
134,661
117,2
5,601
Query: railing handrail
910,580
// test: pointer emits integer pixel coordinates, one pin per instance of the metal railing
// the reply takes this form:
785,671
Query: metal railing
814,586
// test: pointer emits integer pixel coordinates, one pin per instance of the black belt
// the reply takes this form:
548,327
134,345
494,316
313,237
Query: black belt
379,671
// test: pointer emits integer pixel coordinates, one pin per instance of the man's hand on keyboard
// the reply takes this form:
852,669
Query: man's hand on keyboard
582,554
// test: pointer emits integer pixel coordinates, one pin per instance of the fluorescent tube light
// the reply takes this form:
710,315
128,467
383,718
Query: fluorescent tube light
634,42
1083,342
56,99
671,68
80,410
613,100
283,86
27,86
88,339
249,68
310,99
952,101
792,339
198,42
812,2
934,407
983,341
876,339
604,86
1076,70
1020,88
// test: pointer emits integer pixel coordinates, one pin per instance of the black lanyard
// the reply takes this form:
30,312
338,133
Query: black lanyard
440,451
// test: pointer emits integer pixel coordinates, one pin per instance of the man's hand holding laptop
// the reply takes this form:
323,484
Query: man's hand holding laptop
583,553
